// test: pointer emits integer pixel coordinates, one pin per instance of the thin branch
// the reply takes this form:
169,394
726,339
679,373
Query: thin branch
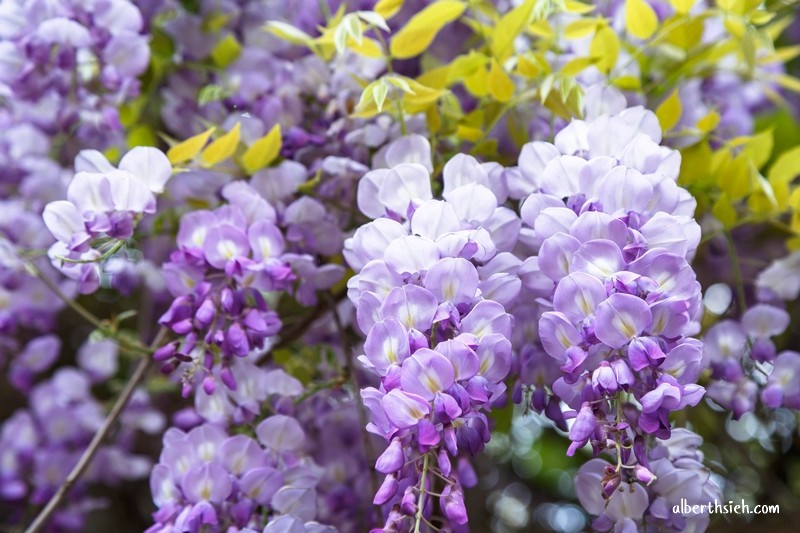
86,459
347,348
85,313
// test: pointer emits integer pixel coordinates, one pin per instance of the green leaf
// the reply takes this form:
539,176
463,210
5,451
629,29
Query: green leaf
222,148
640,19
263,151
210,93
189,148
415,37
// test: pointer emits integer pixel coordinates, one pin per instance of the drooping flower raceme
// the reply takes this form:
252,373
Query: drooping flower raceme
208,479
437,334
650,487
612,232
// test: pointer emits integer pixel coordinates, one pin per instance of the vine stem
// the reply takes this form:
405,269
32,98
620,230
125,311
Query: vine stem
737,272
421,499
86,459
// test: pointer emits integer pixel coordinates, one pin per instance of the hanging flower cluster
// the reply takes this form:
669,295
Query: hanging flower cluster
436,336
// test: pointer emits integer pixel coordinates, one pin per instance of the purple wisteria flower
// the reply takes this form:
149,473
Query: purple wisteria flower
207,478
41,443
744,361
104,204
428,296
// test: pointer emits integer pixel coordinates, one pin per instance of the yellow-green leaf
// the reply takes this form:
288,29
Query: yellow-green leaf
759,147
417,34
735,178
499,83
576,65
788,82
222,148
509,27
628,83
669,112
578,8
388,8
605,47
580,28
682,6
141,135
288,33
640,19
189,148
708,122
367,47
264,151
226,51
724,211
786,167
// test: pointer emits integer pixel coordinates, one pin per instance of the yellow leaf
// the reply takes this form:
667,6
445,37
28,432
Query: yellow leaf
417,34
682,33
669,112
527,67
734,6
780,55
786,167
577,7
580,28
189,148
735,27
793,244
735,178
788,82
759,147
640,19
263,151
468,133
682,6
367,47
465,65
500,85
576,65
694,163
388,8
724,211
436,78
541,28
222,148
477,83
141,135
509,27
421,97
628,83
708,122
226,51
605,46
288,33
